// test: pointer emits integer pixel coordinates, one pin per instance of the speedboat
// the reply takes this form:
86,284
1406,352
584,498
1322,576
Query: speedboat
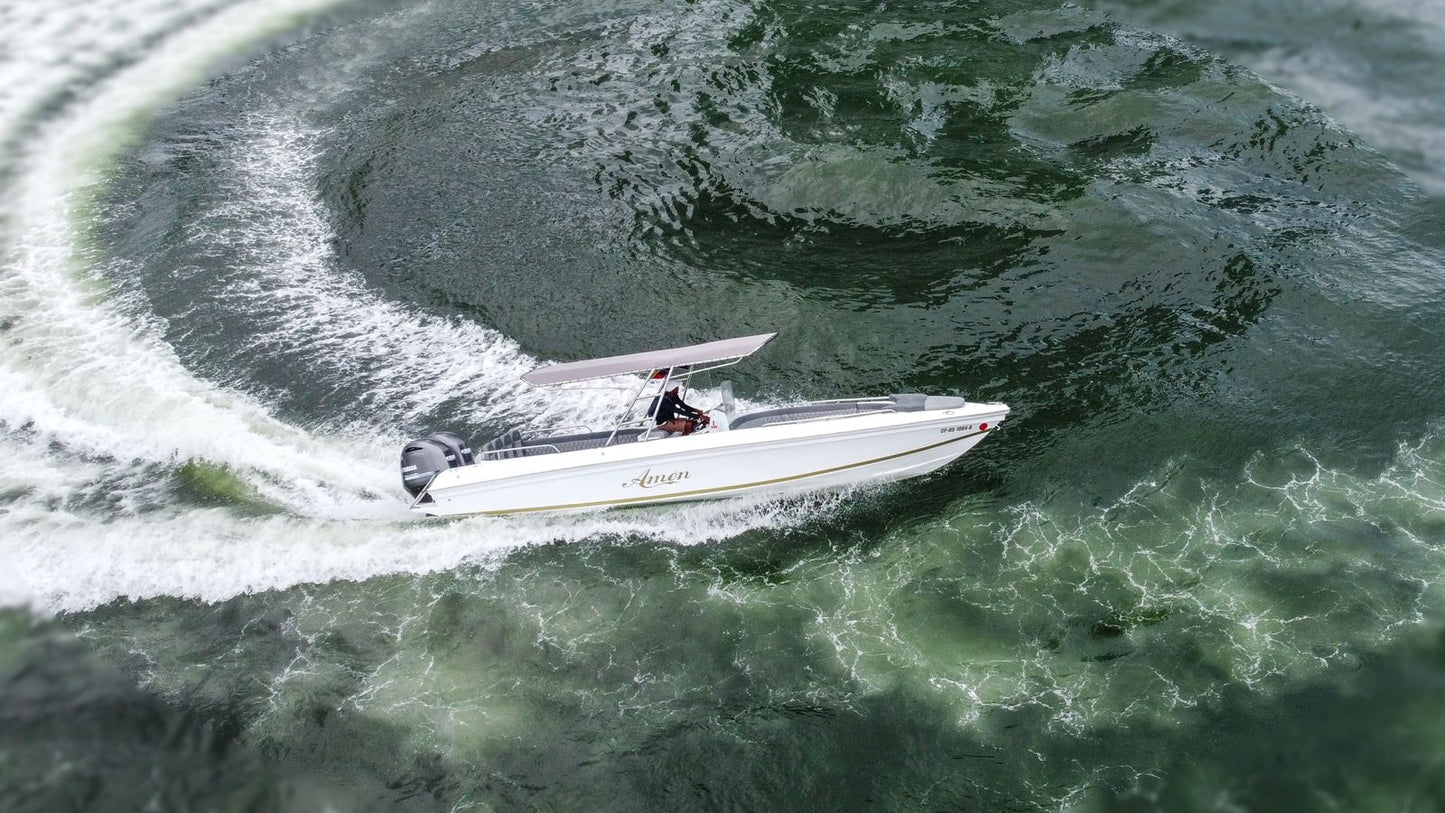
805,446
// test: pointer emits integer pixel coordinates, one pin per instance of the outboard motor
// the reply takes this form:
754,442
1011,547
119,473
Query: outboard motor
461,451
421,460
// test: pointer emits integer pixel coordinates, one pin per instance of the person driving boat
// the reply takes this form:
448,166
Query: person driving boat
673,415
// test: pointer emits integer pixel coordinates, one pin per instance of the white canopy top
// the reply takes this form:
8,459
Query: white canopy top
724,350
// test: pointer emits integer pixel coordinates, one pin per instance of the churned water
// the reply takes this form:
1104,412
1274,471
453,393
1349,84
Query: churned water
251,247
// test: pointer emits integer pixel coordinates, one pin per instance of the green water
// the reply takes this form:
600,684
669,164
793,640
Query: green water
1199,568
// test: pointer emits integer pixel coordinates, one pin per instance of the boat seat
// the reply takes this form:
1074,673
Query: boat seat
945,402
500,447
918,402
909,401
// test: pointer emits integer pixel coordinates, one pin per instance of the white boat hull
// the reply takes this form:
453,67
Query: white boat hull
713,465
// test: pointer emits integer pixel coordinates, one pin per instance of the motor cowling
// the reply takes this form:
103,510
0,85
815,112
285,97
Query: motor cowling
421,460
456,445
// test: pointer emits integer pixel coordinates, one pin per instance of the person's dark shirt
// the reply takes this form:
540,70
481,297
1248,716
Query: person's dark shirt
667,406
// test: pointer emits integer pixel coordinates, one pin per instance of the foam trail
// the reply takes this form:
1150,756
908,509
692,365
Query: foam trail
85,387
70,563
308,306
98,408
77,369
53,48
80,371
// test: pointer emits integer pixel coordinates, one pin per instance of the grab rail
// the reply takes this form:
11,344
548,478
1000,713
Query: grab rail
518,449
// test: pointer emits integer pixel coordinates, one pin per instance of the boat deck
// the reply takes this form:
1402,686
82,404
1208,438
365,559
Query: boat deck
516,443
